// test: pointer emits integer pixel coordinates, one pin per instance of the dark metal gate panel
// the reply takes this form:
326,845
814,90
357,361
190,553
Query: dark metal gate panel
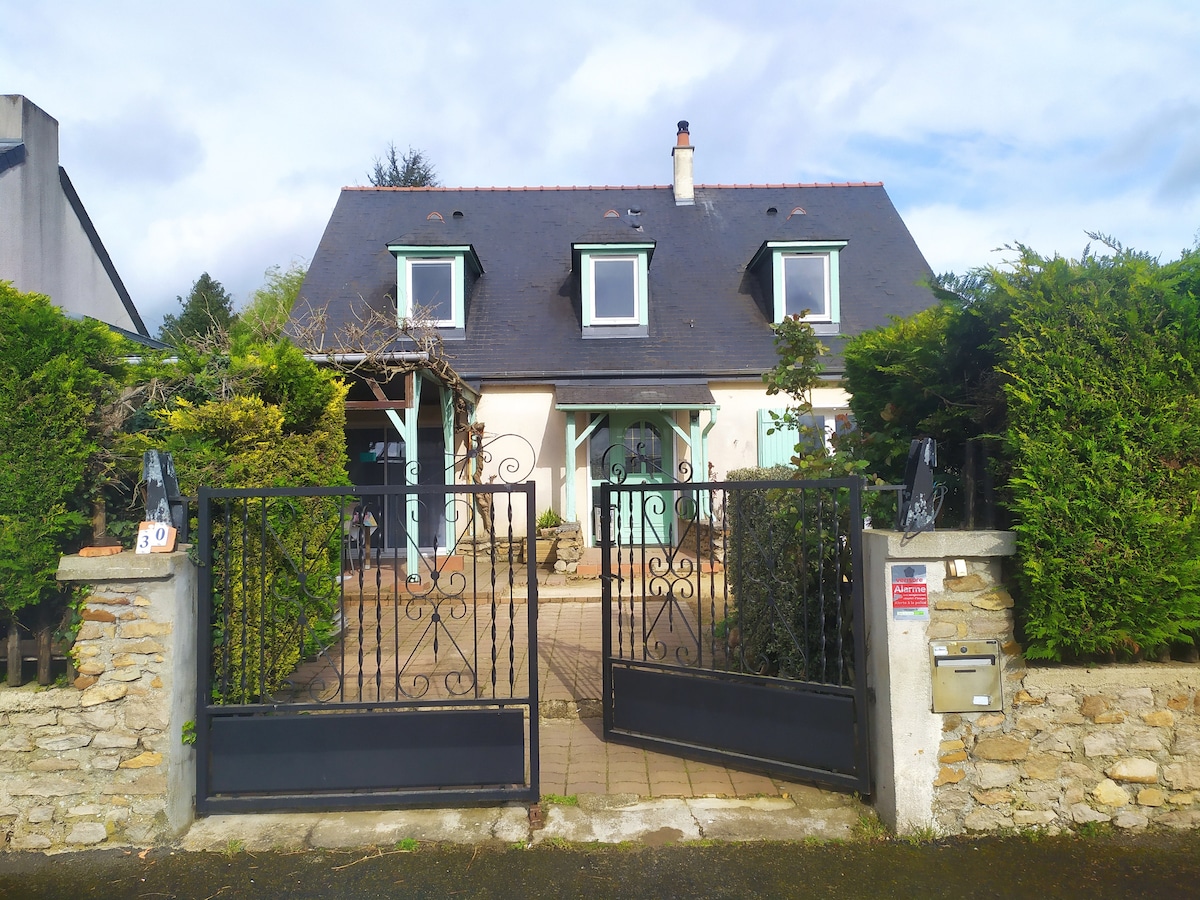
331,676
743,642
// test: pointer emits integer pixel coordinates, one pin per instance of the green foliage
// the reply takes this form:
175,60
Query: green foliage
258,416
1084,375
188,732
206,311
267,310
785,566
932,374
411,169
1103,393
549,519
55,375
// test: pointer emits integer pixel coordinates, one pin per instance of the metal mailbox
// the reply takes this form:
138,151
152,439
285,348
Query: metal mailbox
966,676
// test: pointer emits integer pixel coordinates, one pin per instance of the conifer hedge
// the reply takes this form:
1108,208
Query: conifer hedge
1087,373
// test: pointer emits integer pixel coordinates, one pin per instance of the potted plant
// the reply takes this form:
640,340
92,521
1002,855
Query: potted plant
547,537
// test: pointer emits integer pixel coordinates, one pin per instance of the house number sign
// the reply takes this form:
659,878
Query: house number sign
155,537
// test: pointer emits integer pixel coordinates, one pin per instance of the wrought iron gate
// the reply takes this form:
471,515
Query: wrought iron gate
742,642
331,676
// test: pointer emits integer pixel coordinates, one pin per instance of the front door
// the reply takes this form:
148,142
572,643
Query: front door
635,449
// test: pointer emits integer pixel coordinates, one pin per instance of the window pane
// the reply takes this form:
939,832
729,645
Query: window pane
615,288
804,286
431,288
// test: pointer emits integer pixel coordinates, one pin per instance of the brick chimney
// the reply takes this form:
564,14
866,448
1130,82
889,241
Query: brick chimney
685,194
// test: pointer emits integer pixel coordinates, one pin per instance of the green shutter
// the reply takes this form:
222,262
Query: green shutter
778,449
775,449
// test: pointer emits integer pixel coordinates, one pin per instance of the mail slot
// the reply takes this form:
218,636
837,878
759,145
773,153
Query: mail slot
966,676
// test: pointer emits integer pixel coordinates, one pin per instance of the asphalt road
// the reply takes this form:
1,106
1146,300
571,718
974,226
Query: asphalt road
1164,865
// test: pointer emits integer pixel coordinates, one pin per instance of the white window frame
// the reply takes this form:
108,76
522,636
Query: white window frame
822,315
594,317
412,263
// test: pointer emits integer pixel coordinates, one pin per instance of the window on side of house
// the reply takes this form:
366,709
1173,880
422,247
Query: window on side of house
777,445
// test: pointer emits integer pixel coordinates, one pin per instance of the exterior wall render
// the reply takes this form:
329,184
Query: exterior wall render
733,443
527,411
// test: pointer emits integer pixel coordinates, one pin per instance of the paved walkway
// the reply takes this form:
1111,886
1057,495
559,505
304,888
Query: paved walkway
596,791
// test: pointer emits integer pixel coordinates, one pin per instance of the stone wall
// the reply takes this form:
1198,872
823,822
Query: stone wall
1118,744
1073,745
102,762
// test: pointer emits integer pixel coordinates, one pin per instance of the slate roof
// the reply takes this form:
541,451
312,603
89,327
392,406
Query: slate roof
707,316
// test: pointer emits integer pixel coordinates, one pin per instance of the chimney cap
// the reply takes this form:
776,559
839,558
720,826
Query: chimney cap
683,126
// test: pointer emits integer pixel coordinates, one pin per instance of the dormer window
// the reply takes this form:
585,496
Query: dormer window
434,283
802,278
613,288
431,289
615,295
806,286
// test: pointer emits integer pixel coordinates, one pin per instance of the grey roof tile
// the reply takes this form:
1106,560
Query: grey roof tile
706,314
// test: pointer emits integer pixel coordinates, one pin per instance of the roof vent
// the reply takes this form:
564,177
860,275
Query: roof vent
798,211
458,214
612,214
435,217
772,211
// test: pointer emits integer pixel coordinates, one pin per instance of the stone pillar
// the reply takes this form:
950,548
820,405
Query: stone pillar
907,752
102,761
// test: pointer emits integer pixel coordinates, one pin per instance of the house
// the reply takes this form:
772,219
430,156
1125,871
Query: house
599,324
48,244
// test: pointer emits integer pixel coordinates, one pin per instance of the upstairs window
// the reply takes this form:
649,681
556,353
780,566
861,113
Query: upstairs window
802,278
431,289
613,288
615,299
435,282
806,286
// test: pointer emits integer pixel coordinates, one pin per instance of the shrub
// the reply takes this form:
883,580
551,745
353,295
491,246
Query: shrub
787,563
1104,436
259,417
55,375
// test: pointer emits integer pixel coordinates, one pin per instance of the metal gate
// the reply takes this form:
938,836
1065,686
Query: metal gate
742,642
332,676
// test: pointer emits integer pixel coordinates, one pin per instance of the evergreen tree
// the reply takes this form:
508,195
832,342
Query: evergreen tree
411,169
207,309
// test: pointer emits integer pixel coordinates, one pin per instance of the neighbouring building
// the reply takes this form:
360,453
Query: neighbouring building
48,244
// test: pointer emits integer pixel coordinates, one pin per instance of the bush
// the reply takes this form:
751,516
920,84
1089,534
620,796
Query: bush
1104,437
788,564
1084,374
55,376
259,417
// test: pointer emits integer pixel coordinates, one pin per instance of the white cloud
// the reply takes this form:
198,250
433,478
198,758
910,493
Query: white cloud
215,136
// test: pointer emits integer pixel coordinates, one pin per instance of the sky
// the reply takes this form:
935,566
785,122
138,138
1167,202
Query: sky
214,137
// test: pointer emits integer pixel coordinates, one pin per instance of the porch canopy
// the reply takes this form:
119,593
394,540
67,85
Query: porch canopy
632,396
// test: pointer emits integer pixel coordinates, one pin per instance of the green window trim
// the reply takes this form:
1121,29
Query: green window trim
465,267
776,254
588,256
